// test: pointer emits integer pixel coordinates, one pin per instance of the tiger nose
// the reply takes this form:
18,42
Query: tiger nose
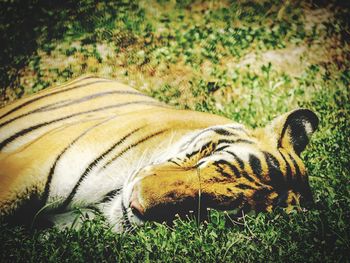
135,205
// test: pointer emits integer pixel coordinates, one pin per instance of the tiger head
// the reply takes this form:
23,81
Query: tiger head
227,167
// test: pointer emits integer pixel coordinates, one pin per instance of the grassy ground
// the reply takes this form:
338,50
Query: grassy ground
247,60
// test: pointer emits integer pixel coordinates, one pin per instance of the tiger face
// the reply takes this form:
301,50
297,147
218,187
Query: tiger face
226,167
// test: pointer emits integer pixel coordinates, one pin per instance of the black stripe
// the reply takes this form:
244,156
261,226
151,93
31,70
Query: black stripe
172,161
284,129
297,169
239,160
234,141
110,195
132,146
95,209
59,105
255,164
90,167
297,183
189,155
50,94
199,164
245,187
223,173
231,166
288,168
248,177
53,167
222,131
37,126
276,177
33,111
205,146
241,166
221,148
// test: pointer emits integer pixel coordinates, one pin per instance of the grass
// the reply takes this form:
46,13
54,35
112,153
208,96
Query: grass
246,60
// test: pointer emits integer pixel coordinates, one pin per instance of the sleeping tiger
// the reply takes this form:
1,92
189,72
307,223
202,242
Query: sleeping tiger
96,143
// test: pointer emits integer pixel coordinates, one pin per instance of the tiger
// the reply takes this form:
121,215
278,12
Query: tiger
95,143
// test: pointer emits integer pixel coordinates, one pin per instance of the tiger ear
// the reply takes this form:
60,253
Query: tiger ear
294,129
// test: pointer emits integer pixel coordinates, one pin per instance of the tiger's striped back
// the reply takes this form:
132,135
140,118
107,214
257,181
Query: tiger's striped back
79,101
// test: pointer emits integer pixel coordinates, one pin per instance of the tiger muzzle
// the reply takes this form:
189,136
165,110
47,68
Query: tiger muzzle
165,192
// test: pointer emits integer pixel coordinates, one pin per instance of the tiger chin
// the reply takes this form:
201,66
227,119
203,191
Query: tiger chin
97,144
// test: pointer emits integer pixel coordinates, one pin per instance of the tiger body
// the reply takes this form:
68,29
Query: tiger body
98,143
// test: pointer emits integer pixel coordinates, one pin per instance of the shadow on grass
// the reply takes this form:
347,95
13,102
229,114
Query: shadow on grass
23,23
